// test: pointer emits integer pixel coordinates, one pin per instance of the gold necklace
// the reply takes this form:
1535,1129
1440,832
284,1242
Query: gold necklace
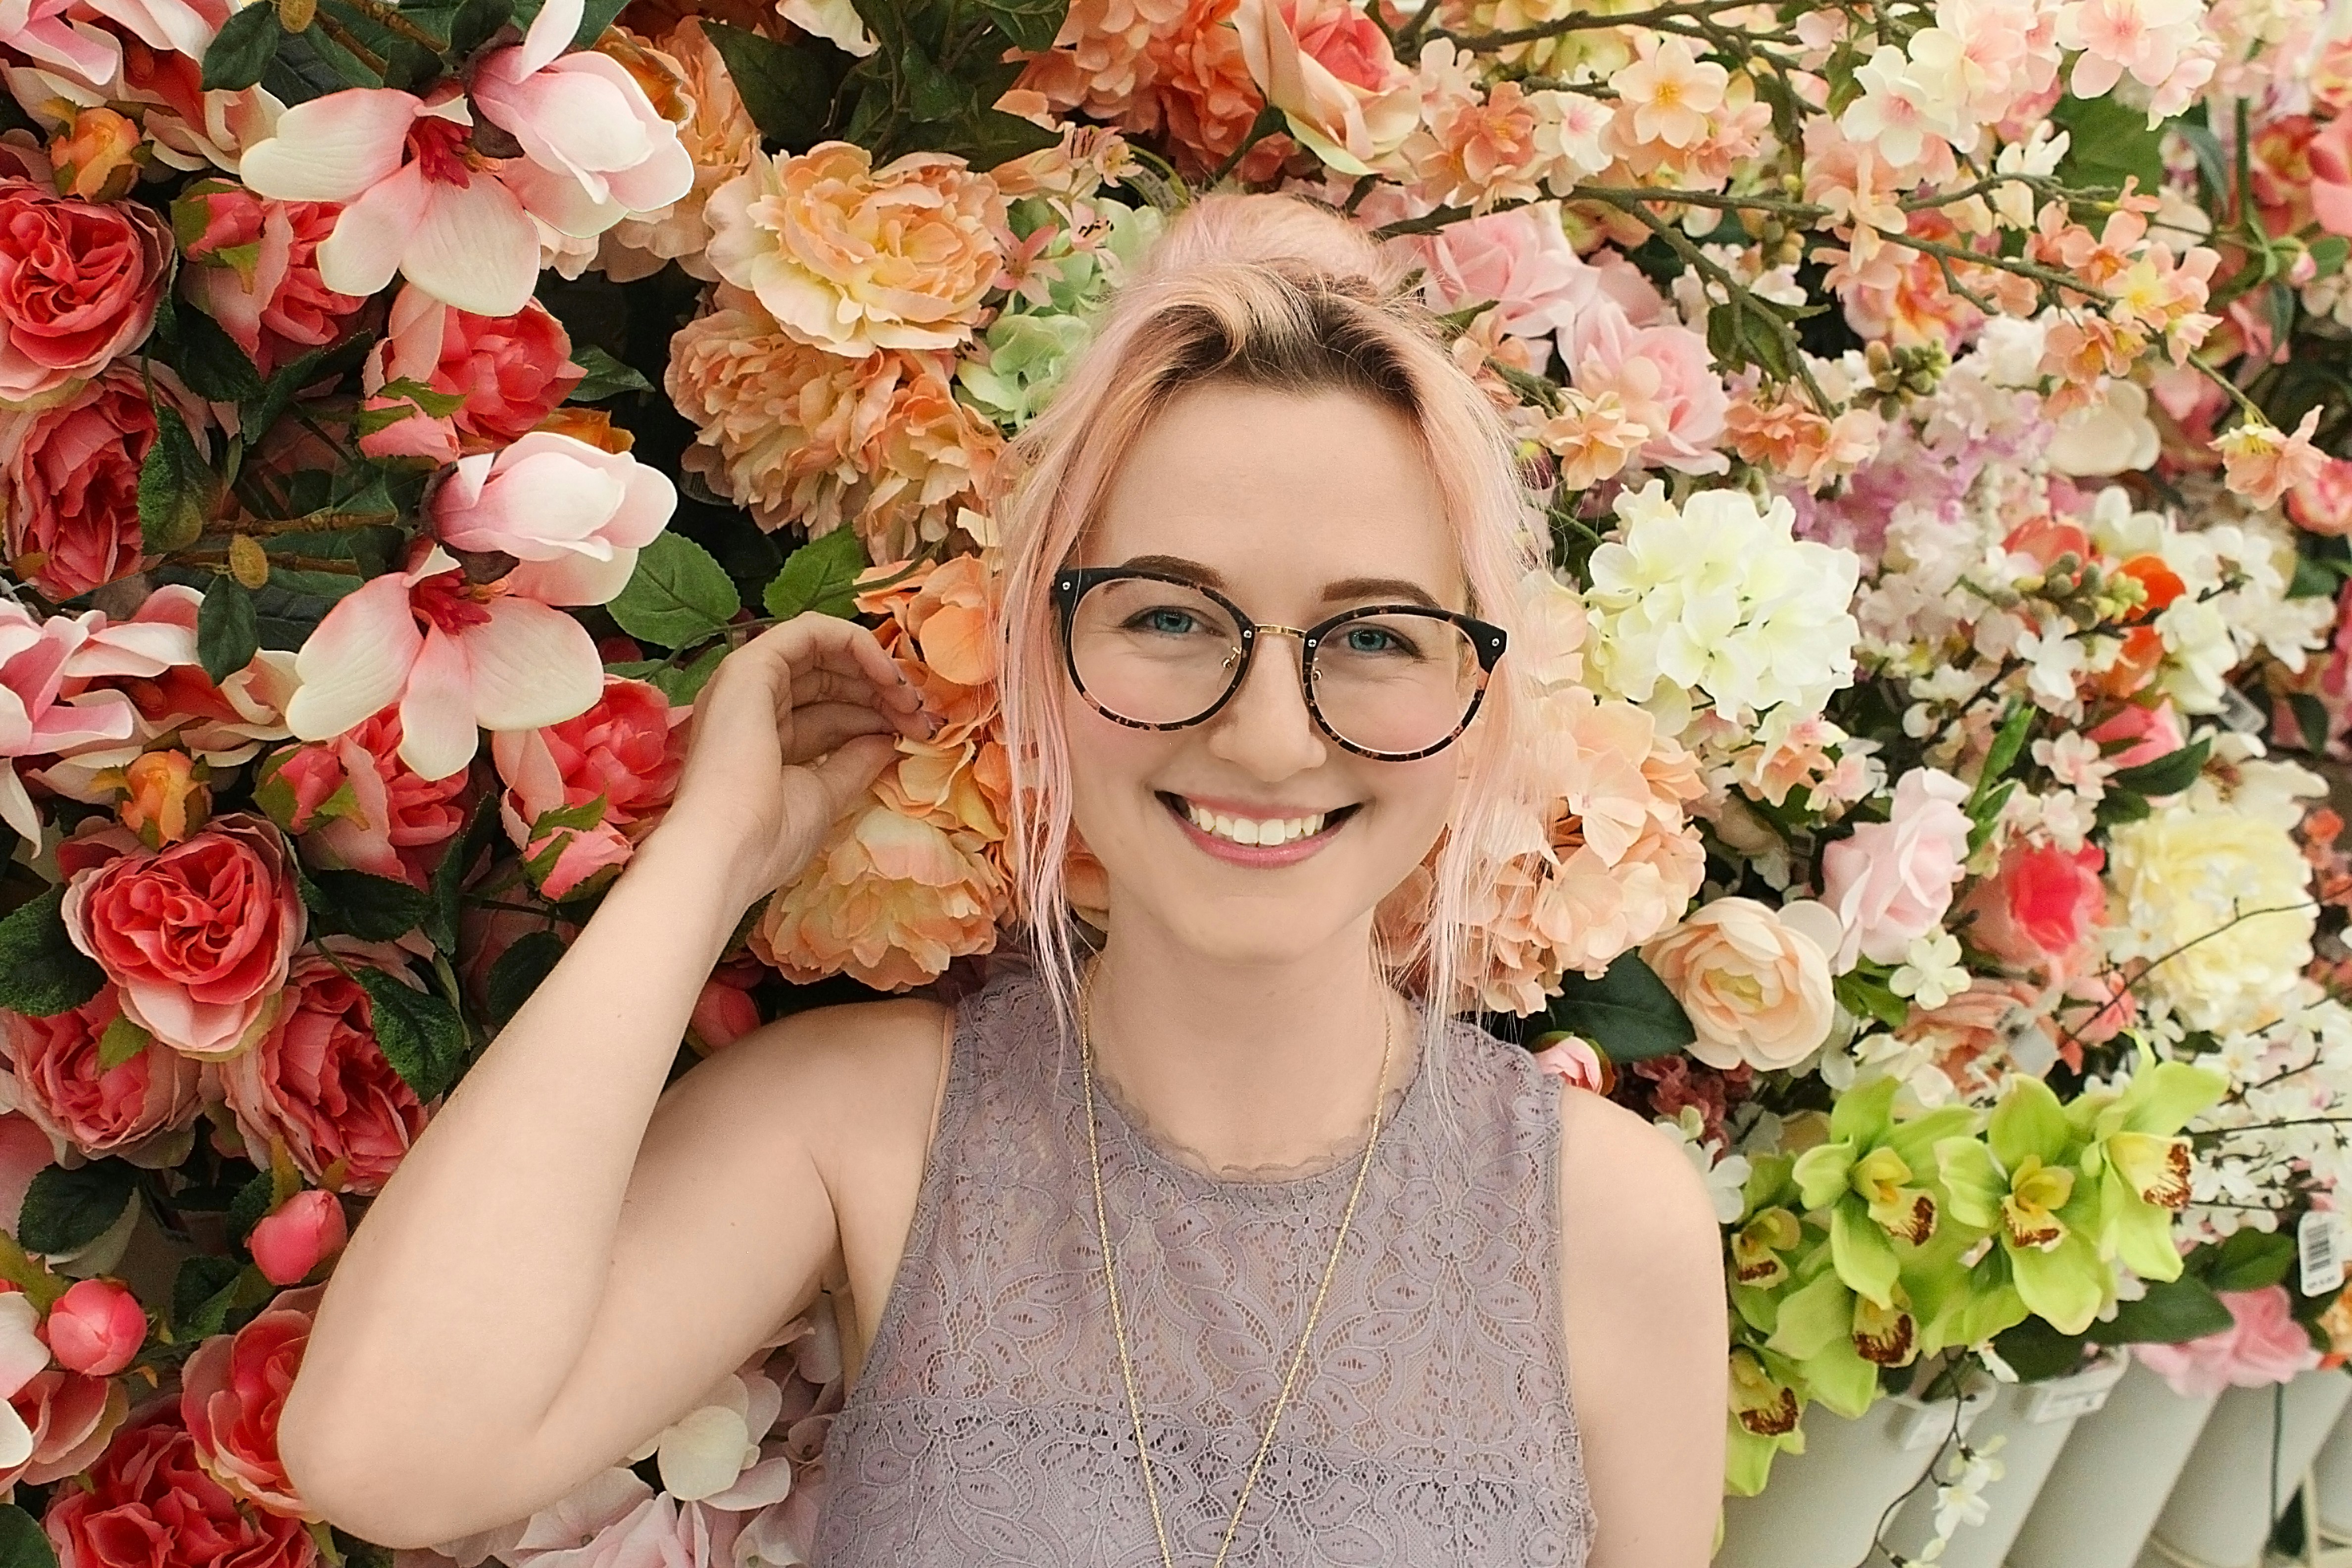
1110,1280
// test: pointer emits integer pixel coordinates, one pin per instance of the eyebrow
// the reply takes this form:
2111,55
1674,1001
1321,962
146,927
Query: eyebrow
1344,589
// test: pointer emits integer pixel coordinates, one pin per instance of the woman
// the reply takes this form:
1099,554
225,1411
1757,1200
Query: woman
1213,1246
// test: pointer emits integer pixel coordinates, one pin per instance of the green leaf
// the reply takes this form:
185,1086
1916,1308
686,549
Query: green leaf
292,377
253,1200
1627,1012
2168,775
2110,142
1032,24
123,1039
1866,996
448,880
2249,1260
228,635
679,594
23,1543
2328,254
361,904
211,363
2171,1311
202,1277
787,88
681,683
2037,1352
2006,747
820,575
606,377
42,973
982,137
518,973
587,813
475,22
66,1210
2310,719
242,49
2313,580
175,487
422,1035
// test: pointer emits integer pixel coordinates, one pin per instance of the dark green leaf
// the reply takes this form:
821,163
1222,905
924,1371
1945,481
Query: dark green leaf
175,487
2110,141
200,1278
2037,1352
371,908
210,360
681,683
1627,1012
518,973
820,575
2120,805
606,377
252,1201
422,1035
2006,747
475,22
594,17
2310,717
449,875
1865,996
227,634
1984,814
587,813
42,973
243,50
2171,1311
295,375
2313,580
677,595
983,138
787,88
2168,775
2249,1260
1032,24
23,1543
2328,253
66,1210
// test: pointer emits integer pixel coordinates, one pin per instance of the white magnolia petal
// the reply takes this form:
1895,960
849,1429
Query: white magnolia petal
436,717
363,252
332,148
356,661
532,665
574,579
22,1354
559,201
475,248
703,1453
551,32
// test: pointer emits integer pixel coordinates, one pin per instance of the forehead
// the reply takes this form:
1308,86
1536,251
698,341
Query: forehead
1281,493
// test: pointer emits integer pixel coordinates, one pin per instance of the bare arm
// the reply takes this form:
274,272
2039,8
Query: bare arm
1648,1337
547,1278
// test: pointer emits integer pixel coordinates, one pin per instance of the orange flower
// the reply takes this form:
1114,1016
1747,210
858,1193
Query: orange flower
165,797
888,901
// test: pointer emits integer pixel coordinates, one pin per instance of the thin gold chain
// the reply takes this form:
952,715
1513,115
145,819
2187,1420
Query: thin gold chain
1110,1278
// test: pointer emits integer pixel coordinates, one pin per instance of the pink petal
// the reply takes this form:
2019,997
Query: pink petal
651,501
364,251
532,665
551,32
356,661
332,149
574,579
559,201
474,248
572,119
436,717
16,805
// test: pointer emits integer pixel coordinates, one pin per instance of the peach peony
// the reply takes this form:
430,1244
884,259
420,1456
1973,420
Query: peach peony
805,437
888,901
853,259
1757,991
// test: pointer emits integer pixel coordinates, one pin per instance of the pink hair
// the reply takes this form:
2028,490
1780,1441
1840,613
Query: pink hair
1270,291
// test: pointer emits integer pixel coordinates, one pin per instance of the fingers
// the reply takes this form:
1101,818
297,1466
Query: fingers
814,642
821,727
851,769
813,687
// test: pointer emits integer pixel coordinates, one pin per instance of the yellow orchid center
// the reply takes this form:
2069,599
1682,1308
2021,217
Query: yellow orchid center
2035,1195
2156,1168
1886,1336
1904,1212
1755,1249
1760,1404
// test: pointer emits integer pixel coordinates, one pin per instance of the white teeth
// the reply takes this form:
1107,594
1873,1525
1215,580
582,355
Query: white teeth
1258,831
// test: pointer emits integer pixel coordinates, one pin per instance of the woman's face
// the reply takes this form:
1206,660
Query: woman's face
1294,507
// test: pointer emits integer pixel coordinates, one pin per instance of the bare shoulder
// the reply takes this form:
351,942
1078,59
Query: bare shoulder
841,1078
1636,1218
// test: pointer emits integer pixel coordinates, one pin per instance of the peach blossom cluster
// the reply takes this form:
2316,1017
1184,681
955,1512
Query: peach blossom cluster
719,136
1159,66
1480,147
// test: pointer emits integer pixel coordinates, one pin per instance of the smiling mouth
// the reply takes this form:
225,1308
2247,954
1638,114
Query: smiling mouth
1257,832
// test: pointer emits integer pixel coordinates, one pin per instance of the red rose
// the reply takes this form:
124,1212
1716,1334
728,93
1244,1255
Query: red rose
231,1393
2034,911
392,820
72,478
257,271
318,1080
512,370
150,1504
78,283
197,936
627,748
123,1109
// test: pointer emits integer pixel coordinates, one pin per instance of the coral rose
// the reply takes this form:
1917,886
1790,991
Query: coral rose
72,471
148,1503
2034,911
291,1240
78,286
1757,991
1331,72
512,371
318,1083
132,1108
355,805
888,902
71,1416
854,259
197,936
97,1327
626,749
231,1393
255,269
1892,880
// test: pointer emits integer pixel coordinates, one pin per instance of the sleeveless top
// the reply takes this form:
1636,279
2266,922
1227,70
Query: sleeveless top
1430,1423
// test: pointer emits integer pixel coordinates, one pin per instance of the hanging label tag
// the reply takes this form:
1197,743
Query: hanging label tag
2319,1241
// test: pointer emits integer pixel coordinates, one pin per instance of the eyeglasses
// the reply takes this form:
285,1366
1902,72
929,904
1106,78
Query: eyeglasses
1155,651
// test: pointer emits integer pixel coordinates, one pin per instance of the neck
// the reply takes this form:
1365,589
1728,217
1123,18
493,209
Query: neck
1249,1068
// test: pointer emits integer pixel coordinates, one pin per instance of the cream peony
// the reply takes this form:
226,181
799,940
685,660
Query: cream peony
854,259
1757,991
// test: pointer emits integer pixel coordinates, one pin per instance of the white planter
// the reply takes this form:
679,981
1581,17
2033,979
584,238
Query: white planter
2219,1512
2333,1472
2035,1419
1823,1507
2103,1495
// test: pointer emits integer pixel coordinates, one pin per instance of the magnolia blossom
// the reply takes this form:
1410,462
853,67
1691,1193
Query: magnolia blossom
574,515
34,718
22,1356
455,655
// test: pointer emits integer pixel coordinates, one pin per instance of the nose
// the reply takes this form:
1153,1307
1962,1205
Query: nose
1266,729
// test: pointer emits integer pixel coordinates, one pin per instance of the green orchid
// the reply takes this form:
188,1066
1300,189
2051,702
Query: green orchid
1765,1409
2141,1163
1878,1180
2022,1184
1837,1339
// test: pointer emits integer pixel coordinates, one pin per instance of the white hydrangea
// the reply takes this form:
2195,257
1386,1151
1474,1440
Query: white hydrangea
1716,602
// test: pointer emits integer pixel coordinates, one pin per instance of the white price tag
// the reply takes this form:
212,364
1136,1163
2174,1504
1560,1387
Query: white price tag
2319,1242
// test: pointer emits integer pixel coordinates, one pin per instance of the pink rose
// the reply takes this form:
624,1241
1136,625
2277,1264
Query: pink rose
2263,1345
627,749
2322,503
2153,732
71,1416
1892,881
295,1237
725,1012
2034,911
79,285
391,822
1574,1061
574,514
197,936
318,1081
2330,155
231,1393
72,471
255,269
126,1108
96,1327
26,1150
1757,991
149,1503
1333,75
1666,380
1520,260
512,370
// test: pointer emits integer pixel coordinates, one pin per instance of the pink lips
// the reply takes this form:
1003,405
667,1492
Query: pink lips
1259,855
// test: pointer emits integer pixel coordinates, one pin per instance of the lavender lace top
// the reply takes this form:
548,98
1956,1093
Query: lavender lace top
1430,1424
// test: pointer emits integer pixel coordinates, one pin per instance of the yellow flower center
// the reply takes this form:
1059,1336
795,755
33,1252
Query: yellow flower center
2035,1195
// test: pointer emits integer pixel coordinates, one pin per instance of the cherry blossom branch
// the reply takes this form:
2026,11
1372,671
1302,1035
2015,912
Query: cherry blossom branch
1659,18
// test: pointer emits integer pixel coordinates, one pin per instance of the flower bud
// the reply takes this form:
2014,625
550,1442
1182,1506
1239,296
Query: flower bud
292,1239
97,1327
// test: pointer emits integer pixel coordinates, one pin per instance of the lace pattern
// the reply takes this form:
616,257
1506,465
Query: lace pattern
1430,1423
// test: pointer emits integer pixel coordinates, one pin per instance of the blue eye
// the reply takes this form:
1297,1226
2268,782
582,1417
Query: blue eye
1375,639
1167,622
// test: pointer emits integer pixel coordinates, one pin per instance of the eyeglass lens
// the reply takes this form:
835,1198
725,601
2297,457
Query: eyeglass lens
1160,653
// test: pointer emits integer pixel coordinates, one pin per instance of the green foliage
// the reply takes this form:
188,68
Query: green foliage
361,904
606,377
23,1543
2168,775
518,973
67,1210
177,489
787,88
42,973
422,1035
243,50
227,633
820,575
678,595
2110,141
1627,1012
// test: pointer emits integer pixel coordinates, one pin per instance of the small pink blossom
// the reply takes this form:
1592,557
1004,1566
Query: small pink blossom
2153,731
1332,74
255,269
97,1327
1575,1062
625,750
2261,465
2322,503
1665,379
2036,910
1520,260
2263,1345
